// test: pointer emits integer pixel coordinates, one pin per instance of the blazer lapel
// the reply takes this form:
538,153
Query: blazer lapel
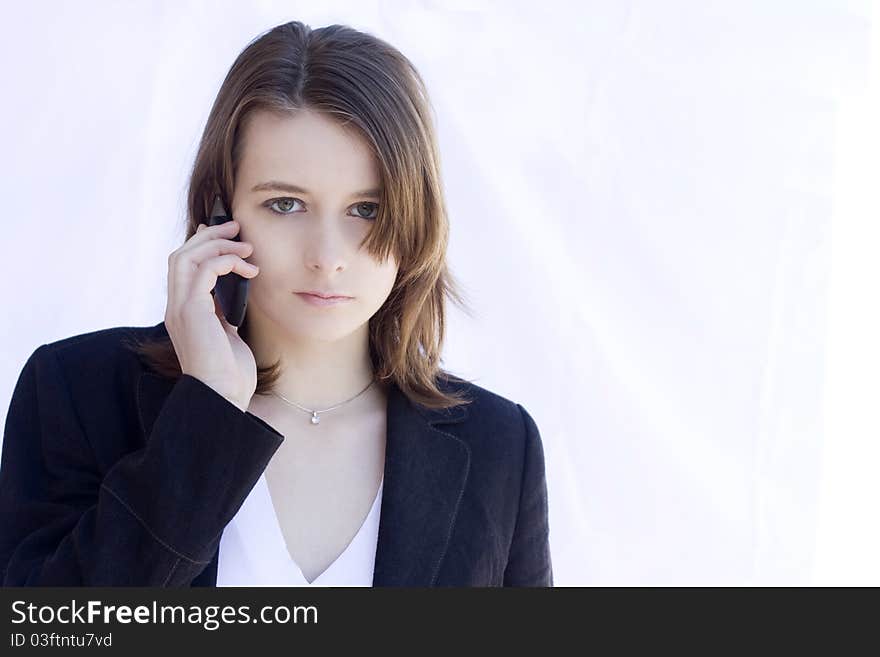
426,470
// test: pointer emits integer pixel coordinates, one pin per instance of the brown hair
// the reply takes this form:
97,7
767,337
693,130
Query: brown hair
363,80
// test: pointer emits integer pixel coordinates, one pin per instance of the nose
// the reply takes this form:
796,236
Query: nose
326,250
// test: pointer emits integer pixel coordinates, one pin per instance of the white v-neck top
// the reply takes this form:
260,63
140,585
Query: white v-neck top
253,551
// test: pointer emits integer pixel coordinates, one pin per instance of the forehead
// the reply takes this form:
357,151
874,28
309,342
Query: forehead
308,149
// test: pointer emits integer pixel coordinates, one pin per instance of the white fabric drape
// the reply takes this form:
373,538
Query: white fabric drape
642,198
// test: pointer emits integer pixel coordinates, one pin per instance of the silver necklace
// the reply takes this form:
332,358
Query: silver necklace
315,419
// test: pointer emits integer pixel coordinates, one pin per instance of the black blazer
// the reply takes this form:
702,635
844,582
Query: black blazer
113,476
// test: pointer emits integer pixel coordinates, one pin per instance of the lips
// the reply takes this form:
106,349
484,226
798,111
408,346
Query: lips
325,295
319,301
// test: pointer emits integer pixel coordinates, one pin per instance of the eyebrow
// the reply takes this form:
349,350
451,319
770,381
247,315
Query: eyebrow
277,186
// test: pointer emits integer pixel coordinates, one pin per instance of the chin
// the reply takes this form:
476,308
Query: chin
323,330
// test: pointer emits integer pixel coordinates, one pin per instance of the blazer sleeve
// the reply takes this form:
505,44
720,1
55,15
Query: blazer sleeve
529,562
153,519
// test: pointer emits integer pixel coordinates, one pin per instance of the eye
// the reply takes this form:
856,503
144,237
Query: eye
374,205
271,202
285,205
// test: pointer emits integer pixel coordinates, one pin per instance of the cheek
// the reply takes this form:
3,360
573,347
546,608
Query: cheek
271,256
271,282
383,283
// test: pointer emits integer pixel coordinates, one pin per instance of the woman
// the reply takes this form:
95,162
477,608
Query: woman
319,442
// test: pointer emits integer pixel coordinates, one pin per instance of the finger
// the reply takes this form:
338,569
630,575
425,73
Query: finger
211,269
186,263
227,226
181,269
205,232
218,246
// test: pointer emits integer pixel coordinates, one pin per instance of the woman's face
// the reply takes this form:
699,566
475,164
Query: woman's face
306,236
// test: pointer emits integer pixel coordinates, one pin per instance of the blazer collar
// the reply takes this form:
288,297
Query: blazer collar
426,471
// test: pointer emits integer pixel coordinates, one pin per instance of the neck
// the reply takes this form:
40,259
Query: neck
317,374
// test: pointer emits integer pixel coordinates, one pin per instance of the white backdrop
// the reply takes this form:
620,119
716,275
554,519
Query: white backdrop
643,197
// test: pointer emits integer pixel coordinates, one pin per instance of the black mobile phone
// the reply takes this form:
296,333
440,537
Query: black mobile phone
232,288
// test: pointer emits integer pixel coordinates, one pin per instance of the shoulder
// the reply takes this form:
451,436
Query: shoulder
487,408
506,468
101,343
494,425
103,346
91,359
79,385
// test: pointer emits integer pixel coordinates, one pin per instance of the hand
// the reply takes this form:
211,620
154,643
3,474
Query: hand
208,347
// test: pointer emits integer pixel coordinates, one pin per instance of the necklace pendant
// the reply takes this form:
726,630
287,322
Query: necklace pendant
315,418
